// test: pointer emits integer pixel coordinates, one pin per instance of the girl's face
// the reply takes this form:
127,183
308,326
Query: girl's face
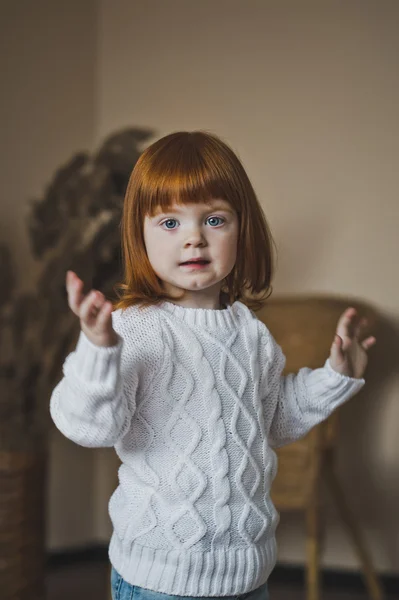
206,232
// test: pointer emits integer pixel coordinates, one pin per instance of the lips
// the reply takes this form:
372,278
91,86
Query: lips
196,261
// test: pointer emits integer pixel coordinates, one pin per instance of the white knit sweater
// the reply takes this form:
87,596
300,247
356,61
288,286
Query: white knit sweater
193,401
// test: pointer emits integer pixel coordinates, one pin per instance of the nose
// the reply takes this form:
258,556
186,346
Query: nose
195,238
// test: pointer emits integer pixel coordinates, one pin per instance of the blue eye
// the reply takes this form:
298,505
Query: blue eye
215,221
169,223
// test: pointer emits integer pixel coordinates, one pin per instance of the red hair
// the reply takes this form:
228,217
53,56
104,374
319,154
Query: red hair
190,167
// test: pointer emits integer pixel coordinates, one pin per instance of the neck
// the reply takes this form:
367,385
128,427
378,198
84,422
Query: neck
202,299
198,303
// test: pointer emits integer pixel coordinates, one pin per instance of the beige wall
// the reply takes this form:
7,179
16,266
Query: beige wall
307,93
47,65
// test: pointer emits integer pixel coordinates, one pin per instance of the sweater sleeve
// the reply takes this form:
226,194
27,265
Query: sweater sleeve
95,401
295,403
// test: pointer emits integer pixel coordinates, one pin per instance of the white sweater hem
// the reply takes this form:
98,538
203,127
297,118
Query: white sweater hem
221,572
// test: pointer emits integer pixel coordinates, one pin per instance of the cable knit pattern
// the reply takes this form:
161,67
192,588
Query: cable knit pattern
193,400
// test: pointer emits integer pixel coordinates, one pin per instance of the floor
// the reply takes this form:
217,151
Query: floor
90,581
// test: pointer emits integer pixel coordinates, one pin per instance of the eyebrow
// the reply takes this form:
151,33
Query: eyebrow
212,207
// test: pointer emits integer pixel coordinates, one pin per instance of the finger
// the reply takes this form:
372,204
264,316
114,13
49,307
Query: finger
359,329
74,287
336,352
367,343
104,313
345,323
90,306
71,278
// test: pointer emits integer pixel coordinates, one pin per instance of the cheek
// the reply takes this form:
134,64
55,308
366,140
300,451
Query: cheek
159,250
227,255
153,242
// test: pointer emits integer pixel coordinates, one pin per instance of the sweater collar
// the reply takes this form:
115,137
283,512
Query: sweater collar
227,318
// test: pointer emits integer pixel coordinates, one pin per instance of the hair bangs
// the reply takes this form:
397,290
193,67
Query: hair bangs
184,171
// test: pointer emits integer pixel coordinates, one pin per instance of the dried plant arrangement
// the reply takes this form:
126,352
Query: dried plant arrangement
76,225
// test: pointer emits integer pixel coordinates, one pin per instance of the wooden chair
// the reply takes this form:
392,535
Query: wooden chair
304,327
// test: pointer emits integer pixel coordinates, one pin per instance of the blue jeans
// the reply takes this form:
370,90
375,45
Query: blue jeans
121,590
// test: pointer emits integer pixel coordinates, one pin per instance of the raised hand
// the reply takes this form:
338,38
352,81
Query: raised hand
348,354
93,310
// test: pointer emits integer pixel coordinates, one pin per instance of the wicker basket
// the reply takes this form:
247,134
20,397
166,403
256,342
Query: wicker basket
22,513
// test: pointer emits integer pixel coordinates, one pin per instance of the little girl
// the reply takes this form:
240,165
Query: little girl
186,383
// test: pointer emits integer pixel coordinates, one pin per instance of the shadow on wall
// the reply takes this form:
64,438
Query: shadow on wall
368,448
369,441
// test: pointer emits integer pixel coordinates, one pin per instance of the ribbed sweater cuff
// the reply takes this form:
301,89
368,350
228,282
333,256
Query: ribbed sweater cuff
94,363
349,381
331,386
